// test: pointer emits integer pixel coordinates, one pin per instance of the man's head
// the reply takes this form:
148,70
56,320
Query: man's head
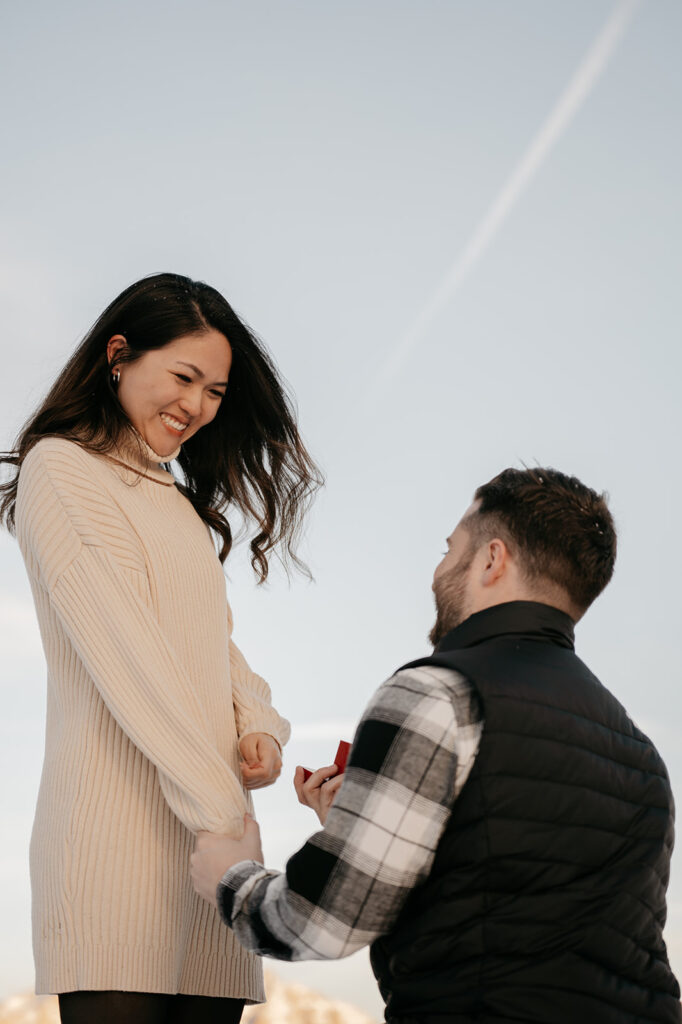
530,535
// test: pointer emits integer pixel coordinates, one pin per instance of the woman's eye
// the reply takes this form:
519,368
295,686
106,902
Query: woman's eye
218,394
184,378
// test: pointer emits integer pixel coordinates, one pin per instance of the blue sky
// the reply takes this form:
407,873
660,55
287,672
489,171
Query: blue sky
324,165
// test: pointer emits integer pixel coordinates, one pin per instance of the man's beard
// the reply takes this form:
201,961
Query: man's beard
450,593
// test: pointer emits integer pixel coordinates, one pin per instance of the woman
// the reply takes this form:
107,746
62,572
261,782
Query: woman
156,726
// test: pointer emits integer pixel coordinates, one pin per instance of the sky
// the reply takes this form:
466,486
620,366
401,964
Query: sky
456,225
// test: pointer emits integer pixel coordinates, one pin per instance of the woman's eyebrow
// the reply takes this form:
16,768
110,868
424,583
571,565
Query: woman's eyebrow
200,374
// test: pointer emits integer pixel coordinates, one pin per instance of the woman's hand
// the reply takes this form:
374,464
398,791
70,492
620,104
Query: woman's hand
261,760
214,855
320,789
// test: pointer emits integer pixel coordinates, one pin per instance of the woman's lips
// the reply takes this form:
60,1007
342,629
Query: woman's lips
172,425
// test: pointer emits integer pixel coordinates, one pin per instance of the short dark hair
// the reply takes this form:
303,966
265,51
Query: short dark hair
560,530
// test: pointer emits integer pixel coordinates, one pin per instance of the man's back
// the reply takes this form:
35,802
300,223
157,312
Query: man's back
546,899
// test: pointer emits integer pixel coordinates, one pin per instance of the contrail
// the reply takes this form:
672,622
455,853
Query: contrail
568,104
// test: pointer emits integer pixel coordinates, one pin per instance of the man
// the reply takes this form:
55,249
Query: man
503,831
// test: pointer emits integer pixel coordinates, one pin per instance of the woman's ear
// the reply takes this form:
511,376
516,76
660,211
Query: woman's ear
115,345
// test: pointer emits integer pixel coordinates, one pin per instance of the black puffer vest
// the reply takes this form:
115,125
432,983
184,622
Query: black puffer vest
546,900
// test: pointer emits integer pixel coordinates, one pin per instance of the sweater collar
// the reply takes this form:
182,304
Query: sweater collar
529,619
133,451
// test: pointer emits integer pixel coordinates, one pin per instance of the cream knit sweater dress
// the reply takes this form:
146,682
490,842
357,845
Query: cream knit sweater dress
147,697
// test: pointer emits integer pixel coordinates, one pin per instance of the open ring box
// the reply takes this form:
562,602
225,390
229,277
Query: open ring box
340,760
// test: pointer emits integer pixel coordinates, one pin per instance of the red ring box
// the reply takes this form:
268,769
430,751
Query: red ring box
340,760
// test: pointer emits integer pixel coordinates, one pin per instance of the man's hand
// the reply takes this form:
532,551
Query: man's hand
320,789
214,855
261,760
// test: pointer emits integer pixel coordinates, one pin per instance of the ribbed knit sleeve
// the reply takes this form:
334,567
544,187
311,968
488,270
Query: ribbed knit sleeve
252,698
68,533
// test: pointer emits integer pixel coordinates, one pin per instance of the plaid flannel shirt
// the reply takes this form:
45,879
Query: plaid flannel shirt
412,753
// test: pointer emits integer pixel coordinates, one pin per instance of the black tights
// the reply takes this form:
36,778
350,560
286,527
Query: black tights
146,1008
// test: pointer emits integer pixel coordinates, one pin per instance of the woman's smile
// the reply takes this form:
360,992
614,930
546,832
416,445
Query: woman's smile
173,425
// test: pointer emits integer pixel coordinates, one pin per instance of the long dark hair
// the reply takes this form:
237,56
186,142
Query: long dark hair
249,457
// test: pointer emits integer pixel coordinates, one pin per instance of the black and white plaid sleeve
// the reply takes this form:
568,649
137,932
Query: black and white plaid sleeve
412,753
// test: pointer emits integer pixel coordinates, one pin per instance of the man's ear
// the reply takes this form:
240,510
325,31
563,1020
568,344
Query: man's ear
114,345
496,562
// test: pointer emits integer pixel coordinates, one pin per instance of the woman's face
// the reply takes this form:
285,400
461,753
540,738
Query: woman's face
169,393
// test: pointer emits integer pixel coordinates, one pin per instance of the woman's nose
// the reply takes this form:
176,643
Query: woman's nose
191,402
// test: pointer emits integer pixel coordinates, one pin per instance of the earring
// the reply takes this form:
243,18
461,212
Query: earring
116,376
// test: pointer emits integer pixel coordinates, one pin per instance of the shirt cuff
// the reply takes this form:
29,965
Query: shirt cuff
235,886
